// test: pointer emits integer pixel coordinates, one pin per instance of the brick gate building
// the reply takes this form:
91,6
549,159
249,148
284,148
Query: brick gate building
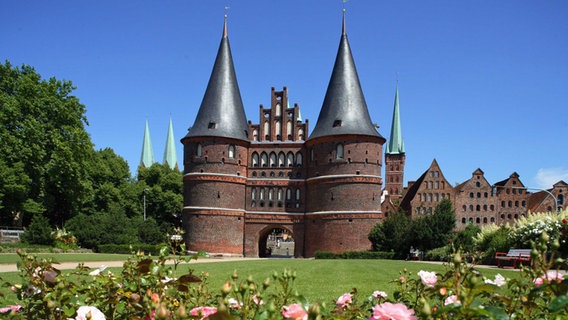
243,180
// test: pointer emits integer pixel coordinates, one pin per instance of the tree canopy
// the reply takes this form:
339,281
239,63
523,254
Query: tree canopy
45,147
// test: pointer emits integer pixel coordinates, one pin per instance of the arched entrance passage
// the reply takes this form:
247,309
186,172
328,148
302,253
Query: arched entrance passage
276,241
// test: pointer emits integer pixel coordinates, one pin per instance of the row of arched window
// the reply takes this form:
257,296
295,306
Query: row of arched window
266,131
477,220
272,174
510,203
273,160
434,184
231,152
429,197
478,207
274,193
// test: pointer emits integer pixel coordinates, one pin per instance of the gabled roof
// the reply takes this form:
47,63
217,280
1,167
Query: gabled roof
395,144
344,110
147,157
502,183
221,113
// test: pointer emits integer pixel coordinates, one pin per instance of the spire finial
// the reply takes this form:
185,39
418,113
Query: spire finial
225,32
343,25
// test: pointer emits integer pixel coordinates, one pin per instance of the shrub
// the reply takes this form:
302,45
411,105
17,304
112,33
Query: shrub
354,255
128,249
438,254
38,232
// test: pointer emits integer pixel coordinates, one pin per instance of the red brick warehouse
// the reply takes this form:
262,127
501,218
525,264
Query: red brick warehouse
243,180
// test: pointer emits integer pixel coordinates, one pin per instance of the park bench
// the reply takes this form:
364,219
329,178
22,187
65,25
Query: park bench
514,257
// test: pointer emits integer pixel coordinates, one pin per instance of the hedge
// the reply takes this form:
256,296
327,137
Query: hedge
151,249
355,255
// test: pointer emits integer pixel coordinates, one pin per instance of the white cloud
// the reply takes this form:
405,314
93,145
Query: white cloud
546,177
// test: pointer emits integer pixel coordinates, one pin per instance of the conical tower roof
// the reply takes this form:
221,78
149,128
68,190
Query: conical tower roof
396,144
170,154
344,110
221,113
147,158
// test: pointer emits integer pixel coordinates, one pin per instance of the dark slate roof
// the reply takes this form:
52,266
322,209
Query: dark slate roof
221,113
344,110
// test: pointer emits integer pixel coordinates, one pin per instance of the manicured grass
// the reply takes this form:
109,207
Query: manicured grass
317,280
325,280
66,257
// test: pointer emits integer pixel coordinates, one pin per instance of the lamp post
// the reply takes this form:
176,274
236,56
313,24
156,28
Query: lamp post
526,188
144,192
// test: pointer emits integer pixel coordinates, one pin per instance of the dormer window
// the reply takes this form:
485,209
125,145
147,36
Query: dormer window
212,125
337,123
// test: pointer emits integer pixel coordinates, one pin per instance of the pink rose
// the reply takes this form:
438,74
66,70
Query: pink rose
258,301
551,275
204,312
429,279
344,300
8,309
88,312
295,311
391,311
451,299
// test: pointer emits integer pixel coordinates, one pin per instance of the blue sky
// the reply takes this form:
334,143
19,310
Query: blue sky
483,84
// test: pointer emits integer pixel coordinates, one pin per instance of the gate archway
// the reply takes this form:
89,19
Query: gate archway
276,241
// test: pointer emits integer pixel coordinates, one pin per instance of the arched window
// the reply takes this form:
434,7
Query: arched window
281,159
297,194
270,194
199,150
263,159
273,159
266,130
278,130
255,135
232,151
278,109
253,194
299,159
464,207
279,194
560,199
288,194
262,193
301,134
339,151
290,159
289,130
254,161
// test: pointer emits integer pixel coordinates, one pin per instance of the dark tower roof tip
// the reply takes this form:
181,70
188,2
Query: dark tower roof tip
344,110
221,113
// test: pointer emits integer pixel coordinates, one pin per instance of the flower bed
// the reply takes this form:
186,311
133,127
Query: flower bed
149,289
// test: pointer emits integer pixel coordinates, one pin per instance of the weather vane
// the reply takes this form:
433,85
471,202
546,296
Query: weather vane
344,1
227,7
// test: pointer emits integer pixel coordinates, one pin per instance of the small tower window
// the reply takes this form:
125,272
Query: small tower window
337,123
212,125
232,151
254,161
339,152
199,150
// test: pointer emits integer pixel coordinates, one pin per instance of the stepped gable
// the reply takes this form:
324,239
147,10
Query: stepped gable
344,110
221,113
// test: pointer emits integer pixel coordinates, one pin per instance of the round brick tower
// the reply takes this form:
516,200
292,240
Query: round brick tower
215,159
344,165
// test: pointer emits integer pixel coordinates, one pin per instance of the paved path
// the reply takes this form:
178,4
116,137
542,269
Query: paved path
4,267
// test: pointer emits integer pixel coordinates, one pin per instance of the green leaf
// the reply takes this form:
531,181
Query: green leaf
558,304
497,313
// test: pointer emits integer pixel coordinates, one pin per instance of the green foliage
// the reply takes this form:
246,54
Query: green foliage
38,232
164,187
397,232
150,288
45,147
464,239
493,239
128,249
354,255
438,254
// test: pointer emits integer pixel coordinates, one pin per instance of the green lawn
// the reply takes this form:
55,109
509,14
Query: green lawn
317,280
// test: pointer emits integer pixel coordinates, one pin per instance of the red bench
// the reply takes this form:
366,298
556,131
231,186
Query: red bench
513,258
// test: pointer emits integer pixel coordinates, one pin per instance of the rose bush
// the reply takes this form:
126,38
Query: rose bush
149,289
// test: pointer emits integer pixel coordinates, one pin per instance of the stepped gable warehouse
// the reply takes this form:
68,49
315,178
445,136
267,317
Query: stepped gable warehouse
243,180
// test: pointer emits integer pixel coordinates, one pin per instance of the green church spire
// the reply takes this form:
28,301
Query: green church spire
147,158
170,155
396,144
